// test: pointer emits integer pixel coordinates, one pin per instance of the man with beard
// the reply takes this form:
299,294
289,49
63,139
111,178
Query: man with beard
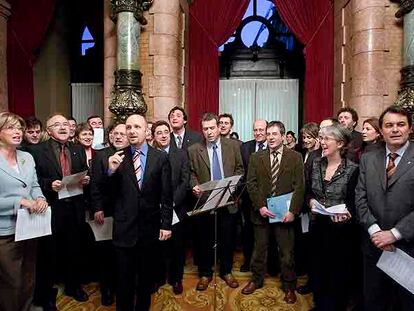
55,159
102,203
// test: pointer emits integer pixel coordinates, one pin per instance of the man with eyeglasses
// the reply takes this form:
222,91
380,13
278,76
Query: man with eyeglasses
55,159
102,203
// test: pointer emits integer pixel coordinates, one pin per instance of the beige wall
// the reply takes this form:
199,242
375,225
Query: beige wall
51,72
368,55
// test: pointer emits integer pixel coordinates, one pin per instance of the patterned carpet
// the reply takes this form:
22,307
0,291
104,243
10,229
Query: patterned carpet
270,297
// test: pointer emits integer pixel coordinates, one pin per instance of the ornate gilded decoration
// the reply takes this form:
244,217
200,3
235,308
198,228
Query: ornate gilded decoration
406,6
135,6
406,94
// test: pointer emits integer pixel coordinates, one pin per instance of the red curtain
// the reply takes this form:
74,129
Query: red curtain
211,24
312,23
26,29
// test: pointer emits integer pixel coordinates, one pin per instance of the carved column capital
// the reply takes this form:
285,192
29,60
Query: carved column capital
406,94
406,6
135,6
5,9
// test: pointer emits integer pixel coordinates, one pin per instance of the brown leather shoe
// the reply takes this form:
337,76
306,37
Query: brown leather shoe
249,288
203,283
230,280
290,296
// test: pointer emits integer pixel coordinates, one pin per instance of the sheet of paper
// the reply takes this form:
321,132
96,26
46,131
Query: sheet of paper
98,139
330,211
304,220
279,206
71,185
399,266
175,219
214,198
29,226
102,232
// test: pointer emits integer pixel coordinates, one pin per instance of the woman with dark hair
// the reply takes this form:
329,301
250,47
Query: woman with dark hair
334,245
371,134
84,137
291,140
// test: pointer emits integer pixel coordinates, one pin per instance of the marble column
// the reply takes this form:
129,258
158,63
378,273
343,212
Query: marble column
109,59
128,97
367,57
406,94
5,11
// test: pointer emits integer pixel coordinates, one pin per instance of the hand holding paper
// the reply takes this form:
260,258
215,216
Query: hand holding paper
71,185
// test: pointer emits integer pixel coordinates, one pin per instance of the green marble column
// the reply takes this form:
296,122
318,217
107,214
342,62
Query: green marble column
127,95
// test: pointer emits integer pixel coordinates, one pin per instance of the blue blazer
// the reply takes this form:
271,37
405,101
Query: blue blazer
15,186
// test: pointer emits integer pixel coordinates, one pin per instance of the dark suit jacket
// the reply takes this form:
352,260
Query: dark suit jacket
140,213
180,180
388,205
355,147
190,138
101,192
48,170
290,179
246,150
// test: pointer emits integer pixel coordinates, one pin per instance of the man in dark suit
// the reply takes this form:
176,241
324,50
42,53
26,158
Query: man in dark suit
384,202
348,118
102,199
181,136
258,143
216,158
55,159
173,251
142,214
274,172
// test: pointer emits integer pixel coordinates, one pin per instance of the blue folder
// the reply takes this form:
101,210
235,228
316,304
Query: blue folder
279,206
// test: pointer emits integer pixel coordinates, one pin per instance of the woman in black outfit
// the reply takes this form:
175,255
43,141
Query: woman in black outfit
334,238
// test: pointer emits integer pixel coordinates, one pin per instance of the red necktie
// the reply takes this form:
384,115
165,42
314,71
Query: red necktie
391,167
64,162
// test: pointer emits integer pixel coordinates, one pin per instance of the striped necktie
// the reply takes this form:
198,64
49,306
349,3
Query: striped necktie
179,142
391,167
274,170
137,166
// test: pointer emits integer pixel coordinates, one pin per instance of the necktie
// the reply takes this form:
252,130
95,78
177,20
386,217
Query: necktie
391,167
261,146
274,170
179,142
137,166
216,164
64,161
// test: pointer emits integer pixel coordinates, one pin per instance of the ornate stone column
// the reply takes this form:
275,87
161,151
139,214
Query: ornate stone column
127,97
4,14
406,93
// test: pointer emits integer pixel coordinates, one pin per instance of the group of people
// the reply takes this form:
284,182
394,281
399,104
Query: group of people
150,173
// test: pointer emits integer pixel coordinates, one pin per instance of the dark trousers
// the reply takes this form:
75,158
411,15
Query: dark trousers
381,293
285,239
172,256
135,277
333,267
247,231
17,266
204,224
107,265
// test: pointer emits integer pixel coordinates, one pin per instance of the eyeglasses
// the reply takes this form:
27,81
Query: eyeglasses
12,128
58,125
119,134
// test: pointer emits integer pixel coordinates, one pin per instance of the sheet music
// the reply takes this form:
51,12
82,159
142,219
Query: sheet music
102,232
175,219
98,139
29,226
279,206
71,185
399,266
304,220
330,211
213,200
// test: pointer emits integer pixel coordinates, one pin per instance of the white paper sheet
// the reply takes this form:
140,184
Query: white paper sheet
399,266
175,219
98,139
102,232
330,211
71,185
304,220
29,226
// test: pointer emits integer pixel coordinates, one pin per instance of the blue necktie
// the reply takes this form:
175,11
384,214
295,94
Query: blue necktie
216,164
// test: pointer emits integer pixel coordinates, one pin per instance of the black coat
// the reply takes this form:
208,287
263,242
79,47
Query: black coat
140,213
190,138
